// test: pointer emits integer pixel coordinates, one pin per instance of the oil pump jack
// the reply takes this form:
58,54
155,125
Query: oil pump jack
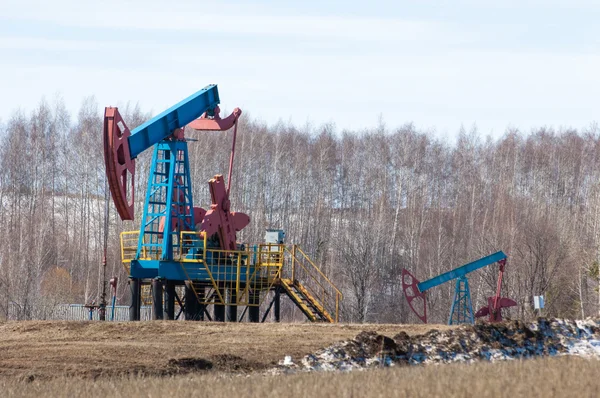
180,245
462,308
169,207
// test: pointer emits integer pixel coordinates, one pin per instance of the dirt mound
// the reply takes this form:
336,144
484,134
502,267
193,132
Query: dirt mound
39,350
468,343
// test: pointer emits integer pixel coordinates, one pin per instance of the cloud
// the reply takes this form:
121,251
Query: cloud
196,17
319,68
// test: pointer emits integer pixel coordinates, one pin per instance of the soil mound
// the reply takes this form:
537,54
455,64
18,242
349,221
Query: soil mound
467,343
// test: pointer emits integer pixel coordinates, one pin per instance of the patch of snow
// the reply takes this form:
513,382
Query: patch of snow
466,344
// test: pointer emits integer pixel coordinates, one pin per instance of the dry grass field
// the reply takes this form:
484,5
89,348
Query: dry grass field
47,349
553,377
148,359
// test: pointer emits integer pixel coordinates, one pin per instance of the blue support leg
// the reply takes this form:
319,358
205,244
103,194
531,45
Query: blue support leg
462,308
168,203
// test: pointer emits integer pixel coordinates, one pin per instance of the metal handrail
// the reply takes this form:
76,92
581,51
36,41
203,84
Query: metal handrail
313,273
318,270
130,248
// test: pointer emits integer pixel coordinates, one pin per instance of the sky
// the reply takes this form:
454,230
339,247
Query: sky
437,64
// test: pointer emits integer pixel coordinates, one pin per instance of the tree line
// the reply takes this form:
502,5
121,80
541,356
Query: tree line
364,204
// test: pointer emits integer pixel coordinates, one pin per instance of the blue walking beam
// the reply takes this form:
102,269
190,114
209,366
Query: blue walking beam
178,116
461,271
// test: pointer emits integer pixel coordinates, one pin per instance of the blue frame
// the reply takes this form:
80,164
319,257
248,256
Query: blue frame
462,307
173,270
179,115
169,168
169,171
461,271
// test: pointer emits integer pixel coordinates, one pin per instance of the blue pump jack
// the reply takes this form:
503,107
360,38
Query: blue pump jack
169,209
462,308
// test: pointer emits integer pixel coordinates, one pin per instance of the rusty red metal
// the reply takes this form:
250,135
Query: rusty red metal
177,197
219,219
496,303
218,124
120,168
199,214
416,300
179,134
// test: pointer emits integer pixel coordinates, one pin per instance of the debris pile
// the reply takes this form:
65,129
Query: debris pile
466,343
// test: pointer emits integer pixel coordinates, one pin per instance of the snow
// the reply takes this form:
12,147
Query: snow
464,344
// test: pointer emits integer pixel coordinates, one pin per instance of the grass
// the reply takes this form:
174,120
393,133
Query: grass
131,359
548,377
47,349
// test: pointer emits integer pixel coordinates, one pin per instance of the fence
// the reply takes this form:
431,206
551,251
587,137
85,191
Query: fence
77,312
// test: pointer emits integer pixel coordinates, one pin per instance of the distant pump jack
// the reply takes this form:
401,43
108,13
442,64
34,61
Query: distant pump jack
462,308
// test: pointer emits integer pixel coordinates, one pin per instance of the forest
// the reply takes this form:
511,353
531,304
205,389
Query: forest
364,204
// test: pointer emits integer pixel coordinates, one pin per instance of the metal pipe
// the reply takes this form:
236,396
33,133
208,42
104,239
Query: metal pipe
112,312
113,284
231,158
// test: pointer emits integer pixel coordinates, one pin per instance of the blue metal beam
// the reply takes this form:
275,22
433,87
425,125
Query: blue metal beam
460,271
161,126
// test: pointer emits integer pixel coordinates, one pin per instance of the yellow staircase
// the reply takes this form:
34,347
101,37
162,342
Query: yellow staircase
309,305
309,288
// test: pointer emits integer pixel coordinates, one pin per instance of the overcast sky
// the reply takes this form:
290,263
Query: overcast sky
438,64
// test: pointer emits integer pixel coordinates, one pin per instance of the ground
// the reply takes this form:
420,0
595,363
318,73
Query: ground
156,359
47,349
